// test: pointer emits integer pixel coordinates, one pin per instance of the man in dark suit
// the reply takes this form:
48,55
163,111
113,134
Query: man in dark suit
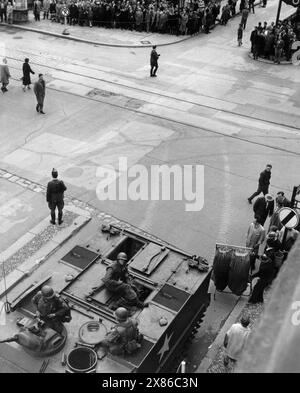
154,61
55,197
263,207
263,183
39,89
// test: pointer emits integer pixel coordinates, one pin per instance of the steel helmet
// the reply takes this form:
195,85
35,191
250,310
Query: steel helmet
123,256
47,291
121,314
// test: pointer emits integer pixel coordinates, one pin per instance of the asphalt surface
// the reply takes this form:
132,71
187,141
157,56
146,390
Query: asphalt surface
210,105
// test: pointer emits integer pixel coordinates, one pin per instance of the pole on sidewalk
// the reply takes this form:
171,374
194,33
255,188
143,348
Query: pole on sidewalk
278,12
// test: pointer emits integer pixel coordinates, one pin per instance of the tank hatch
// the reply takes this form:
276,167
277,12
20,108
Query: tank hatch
79,257
171,297
148,259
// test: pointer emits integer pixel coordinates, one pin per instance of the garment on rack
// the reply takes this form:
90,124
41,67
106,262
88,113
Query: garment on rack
221,269
239,272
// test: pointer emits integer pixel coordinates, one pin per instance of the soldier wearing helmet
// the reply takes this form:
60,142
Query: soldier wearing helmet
124,337
51,308
117,280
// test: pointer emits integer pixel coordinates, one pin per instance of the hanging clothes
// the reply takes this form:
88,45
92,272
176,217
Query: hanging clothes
239,272
221,269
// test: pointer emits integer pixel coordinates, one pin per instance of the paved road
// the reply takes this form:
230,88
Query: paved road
210,105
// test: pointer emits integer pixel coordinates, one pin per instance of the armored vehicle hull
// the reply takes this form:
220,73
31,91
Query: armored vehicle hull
169,280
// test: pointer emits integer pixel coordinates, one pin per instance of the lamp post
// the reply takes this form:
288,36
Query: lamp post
278,12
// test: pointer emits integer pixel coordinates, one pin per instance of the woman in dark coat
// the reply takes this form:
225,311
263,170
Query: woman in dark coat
26,74
266,275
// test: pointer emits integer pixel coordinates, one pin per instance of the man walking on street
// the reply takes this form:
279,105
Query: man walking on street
39,89
251,6
55,197
235,340
245,14
263,183
4,76
154,61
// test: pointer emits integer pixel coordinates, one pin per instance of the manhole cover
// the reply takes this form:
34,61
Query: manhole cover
102,93
134,104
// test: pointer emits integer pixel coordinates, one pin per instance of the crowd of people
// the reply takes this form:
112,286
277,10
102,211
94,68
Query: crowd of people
146,15
276,242
160,16
273,42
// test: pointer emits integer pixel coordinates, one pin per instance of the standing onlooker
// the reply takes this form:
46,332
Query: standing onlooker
154,61
279,44
40,91
37,10
46,8
4,75
240,35
245,13
3,16
266,275
251,6
55,197
253,37
255,237
281,200
26,74
207,21
52,9
263,183
263,207
235,340
10,13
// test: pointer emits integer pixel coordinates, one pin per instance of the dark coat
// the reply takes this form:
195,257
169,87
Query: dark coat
114,273
55,191
39,89
263,208
264,180
266,275
26,74
154,57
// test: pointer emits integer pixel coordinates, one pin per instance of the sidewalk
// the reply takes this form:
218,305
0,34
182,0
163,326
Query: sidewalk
100,35
106,37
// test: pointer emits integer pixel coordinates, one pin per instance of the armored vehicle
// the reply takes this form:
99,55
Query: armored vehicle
174,284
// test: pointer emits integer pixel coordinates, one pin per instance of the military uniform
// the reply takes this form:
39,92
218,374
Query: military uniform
55,305
124,338
116,273
55,198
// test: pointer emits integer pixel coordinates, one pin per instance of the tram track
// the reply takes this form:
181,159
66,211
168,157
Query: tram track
289,129
160,94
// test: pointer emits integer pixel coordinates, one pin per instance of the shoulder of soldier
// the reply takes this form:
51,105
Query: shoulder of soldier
133,321
37,296
59,299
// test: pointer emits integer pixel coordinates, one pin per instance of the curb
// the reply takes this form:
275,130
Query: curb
97,43
34,261
218,342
